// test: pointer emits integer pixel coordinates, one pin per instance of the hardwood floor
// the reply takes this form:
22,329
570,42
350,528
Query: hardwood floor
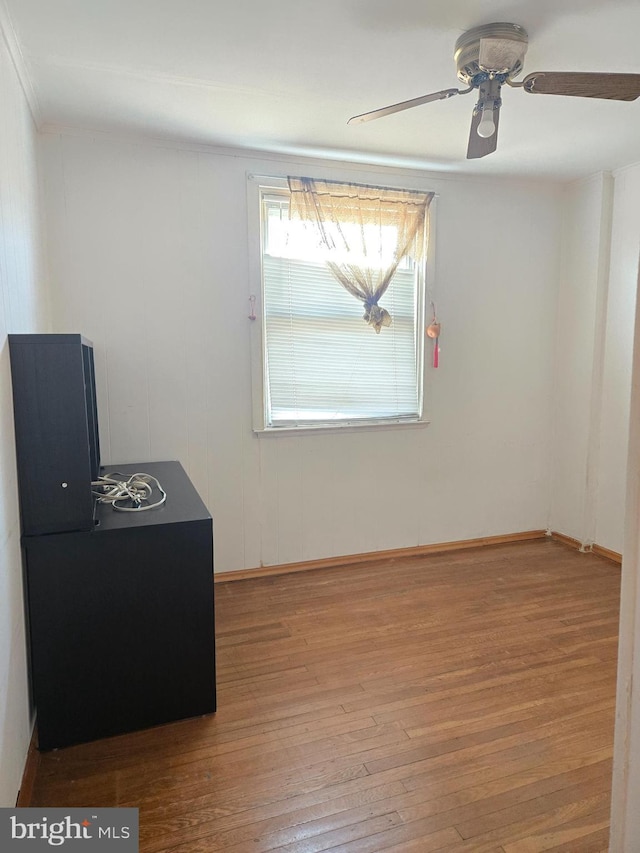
461,702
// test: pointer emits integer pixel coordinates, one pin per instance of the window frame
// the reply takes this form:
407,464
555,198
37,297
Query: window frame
257,186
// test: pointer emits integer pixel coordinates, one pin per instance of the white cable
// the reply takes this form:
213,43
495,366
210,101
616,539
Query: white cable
134,490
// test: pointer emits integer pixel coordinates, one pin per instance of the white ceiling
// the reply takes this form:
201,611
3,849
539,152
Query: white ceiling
285,75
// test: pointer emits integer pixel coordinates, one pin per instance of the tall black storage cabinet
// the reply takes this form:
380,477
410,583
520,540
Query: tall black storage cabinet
56,423
121,607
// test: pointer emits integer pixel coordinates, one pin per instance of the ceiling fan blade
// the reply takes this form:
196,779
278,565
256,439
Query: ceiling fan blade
406,105
615,87
480,146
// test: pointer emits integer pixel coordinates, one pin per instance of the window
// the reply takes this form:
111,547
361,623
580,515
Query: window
322,365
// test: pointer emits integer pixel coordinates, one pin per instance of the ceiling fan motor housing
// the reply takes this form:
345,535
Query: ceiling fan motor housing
492,50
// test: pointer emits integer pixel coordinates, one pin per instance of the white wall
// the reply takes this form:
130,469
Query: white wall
149,258
625,816
619,457
580,342
596,307
22,309
618,357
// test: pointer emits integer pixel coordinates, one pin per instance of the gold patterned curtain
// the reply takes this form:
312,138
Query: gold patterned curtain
367,232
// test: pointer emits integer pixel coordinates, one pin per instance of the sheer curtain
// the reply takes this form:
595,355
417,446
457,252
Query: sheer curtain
366,231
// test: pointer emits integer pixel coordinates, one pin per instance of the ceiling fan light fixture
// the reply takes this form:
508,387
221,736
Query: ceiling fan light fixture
486,126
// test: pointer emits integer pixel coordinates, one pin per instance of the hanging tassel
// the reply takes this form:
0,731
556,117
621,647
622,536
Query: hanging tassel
433,331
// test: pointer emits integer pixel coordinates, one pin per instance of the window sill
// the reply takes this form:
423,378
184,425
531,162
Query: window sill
330,428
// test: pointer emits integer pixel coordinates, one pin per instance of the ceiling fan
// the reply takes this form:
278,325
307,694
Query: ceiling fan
489,56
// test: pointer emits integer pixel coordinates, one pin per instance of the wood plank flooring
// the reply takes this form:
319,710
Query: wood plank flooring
461,702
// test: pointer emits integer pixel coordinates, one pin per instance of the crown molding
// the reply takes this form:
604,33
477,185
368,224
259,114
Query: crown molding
17,58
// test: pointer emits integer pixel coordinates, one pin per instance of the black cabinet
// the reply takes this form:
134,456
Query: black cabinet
56,426
122,631
120,604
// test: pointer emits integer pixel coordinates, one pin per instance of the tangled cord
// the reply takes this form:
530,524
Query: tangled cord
121,493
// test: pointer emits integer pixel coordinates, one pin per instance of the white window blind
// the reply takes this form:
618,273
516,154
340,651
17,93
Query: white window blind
323,365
